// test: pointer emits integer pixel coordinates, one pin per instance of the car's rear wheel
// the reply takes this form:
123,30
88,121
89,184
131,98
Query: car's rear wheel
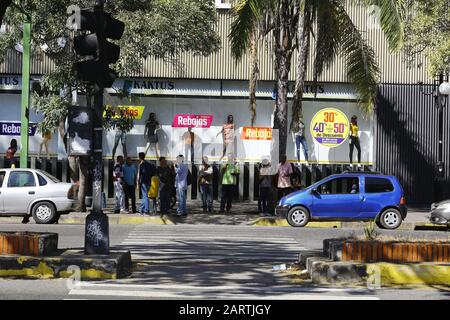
44,213
298,216
390,219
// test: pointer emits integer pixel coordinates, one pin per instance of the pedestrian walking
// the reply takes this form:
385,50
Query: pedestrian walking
118,186
265,186
181,184
129,186
284,172
166,182
229,172
146,171
205,180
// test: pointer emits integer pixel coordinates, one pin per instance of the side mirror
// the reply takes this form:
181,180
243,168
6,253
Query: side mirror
314,191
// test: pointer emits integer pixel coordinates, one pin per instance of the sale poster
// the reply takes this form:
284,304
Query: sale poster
330,127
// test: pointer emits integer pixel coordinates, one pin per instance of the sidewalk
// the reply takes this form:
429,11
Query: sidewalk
243,213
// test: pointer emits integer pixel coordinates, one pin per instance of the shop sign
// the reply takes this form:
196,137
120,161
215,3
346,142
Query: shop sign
192,121
330,127
254,133
13,129
120,111
10,82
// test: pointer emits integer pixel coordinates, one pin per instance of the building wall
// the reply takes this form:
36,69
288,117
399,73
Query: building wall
217,99
221,65
407,141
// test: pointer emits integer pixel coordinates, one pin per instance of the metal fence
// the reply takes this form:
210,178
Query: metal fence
247,181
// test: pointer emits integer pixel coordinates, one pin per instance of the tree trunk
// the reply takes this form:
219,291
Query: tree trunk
254,74
283,54
303,33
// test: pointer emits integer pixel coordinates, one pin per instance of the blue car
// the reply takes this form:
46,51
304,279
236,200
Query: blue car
347,196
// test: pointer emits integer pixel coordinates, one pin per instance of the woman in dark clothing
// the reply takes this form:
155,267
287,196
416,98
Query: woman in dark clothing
11,152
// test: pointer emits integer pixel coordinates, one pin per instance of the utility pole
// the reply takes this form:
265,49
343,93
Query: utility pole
25,100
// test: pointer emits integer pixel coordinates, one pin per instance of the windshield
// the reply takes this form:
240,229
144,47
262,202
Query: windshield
49,176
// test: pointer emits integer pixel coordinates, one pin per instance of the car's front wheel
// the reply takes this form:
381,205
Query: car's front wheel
44,213
390,219
298,216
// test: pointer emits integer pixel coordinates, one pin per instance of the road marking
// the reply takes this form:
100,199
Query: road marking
185,295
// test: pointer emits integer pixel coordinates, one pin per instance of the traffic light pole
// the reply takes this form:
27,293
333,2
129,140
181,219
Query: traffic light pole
97,224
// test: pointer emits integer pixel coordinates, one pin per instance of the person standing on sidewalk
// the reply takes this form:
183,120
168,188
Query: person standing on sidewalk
229,173
129,177
265,185
205,182
181,185
118,186
145,173
284,172
165,176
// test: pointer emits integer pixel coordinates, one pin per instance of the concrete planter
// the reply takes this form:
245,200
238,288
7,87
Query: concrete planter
395,252
28,243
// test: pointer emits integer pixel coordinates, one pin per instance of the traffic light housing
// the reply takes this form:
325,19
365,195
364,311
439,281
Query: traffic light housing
99,52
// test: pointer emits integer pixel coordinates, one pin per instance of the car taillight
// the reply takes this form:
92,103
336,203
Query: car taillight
402,201
73,192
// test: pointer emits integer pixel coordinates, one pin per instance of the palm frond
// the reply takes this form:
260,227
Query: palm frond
361,65
328,37
390,21
247,16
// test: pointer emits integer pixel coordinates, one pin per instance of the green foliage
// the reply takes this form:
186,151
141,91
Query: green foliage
370,231
427,32
159,28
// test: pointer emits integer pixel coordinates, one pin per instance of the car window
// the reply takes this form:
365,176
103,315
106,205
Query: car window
41,179
21,179
49,176
347,185
2,177
378,185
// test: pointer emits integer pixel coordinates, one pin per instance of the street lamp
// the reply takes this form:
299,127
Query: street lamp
444,88
440,93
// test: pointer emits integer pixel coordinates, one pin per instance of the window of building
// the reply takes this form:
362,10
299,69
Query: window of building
378,185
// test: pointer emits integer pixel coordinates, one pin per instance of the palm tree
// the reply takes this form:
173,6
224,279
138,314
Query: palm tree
292,23
278,17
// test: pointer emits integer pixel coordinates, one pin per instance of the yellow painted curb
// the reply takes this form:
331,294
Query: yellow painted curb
393,274
144,220
270,222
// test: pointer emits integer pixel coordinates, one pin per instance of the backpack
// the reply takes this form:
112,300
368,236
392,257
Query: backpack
189,178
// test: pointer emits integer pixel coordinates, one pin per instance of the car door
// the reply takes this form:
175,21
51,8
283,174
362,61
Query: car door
378,193
337,198
20,191
2,178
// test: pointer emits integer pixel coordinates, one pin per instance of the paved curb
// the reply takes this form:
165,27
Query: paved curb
324,269
113,266
279,222
121,219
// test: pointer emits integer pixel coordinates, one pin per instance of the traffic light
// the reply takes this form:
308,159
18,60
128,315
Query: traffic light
95,47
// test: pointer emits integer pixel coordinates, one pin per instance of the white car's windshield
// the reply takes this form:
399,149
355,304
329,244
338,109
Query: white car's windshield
49,176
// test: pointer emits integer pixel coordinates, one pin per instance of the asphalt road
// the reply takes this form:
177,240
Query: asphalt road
206,262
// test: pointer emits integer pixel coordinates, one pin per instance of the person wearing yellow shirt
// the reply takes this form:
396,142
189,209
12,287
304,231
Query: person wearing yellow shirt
354,139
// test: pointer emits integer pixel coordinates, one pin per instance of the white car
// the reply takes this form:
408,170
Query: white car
25,192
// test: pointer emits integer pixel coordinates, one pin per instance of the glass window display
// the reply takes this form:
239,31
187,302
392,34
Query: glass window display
151,133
